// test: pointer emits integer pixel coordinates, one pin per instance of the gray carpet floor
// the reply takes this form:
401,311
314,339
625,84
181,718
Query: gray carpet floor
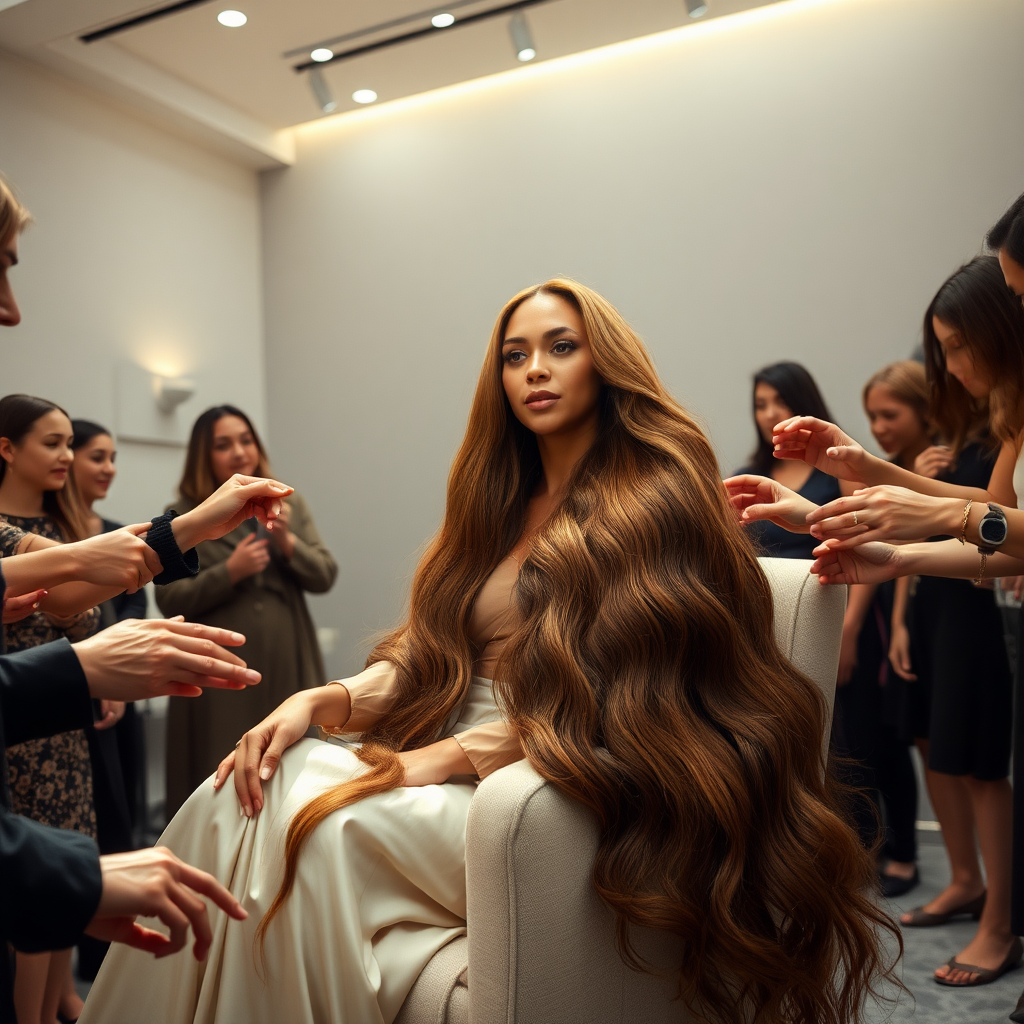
927,948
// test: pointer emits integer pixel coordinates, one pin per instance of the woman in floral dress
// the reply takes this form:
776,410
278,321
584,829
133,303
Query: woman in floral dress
50,779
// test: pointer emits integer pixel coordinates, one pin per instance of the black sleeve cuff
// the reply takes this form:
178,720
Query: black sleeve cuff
177,566
43,691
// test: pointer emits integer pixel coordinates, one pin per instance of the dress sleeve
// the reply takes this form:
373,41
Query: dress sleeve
10,539
371,693
490,746
311,563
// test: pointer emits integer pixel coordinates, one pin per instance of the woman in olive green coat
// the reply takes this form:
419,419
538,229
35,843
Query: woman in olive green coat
249,581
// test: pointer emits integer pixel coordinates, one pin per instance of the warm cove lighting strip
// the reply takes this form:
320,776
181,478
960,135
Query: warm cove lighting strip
692,33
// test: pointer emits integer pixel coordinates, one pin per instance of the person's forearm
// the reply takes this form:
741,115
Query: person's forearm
860,598
951,559
73,598
900,600
878,471
187,531
41,570
331,706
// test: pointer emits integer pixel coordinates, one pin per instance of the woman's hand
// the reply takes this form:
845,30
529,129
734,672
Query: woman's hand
933,461
249,557
236,500
255,758
111,712
870,563
18,608
820,444
899,652
885,513
436,763
759,497
1013,585
282,535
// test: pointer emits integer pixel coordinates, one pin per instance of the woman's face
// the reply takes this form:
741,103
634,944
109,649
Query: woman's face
769,409
233,449
897,427
548,368
94,468
959,360
1013,273
43,456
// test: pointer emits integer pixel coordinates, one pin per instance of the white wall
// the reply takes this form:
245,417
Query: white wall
145,248
791,184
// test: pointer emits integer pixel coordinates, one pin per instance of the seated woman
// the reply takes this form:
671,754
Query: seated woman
589,564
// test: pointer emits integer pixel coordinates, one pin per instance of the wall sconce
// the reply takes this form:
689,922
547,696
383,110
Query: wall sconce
172,391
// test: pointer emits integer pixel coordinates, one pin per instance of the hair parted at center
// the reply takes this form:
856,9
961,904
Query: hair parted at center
197,480
645,682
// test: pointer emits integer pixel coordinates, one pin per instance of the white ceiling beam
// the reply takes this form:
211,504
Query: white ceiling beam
117,72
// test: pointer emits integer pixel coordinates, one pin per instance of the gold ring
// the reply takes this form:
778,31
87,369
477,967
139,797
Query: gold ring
855,521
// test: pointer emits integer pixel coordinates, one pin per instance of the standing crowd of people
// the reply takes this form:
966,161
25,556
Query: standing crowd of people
540,508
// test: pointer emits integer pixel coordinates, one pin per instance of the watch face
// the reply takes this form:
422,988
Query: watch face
992,531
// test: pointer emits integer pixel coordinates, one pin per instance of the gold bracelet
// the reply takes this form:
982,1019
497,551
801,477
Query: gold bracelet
332,730
963,525
981,571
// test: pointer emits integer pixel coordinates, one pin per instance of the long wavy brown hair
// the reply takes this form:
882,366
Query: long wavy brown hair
644,681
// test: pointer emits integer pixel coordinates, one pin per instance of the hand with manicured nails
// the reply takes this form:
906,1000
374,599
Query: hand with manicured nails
820,444
138,659
155,883
761,498
18,608
869,563
885,513
249,557
236,500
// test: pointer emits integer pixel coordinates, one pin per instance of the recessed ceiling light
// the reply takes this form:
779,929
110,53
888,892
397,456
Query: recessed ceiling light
233,19
364,96
321,53
442,20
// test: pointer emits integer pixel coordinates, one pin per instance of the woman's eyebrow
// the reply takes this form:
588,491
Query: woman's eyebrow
546,336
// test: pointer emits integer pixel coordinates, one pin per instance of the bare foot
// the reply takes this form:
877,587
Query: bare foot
953,896
985,950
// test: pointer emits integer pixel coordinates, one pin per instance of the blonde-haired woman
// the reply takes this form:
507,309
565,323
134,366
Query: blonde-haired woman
251,581
589,564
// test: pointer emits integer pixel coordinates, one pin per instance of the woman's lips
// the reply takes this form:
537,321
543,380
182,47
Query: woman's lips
538,400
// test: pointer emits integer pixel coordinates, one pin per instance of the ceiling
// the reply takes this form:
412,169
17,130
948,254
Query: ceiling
238,82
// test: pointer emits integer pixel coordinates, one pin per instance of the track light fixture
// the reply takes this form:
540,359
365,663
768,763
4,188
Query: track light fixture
322,91
696,8
522,40
444,20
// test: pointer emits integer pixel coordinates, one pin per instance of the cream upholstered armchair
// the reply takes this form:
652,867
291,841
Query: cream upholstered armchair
540,947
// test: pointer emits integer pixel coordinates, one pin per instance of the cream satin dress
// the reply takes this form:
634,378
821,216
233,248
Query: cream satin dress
381,886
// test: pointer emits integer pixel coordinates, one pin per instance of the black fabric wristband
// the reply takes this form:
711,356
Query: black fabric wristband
177,566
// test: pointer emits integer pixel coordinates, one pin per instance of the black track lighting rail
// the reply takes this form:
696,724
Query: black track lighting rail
407,37
140,19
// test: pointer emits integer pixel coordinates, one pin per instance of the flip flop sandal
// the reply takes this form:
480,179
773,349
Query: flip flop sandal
921,918
984,977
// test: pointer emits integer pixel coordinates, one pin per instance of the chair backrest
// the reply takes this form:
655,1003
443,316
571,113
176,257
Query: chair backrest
541,942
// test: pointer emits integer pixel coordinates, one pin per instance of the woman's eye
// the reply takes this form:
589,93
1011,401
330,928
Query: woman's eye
562,347
515,356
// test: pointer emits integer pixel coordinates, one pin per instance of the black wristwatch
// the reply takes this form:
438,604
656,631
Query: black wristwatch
992,529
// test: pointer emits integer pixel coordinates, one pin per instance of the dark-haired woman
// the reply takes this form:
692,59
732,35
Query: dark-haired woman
50,779
116,741
589,565
973,331
251,581
783,390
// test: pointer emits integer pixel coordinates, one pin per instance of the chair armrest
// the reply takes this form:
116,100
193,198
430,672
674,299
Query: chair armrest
541,941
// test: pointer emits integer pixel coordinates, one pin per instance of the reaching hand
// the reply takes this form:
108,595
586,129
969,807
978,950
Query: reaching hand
135,659
282,535
116,559
258,752
760,497
154,883
933,461
820,444
870,563
885,513
249,557
236,500
18,608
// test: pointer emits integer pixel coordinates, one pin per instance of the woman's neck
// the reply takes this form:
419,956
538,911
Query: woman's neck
559,454
20,498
